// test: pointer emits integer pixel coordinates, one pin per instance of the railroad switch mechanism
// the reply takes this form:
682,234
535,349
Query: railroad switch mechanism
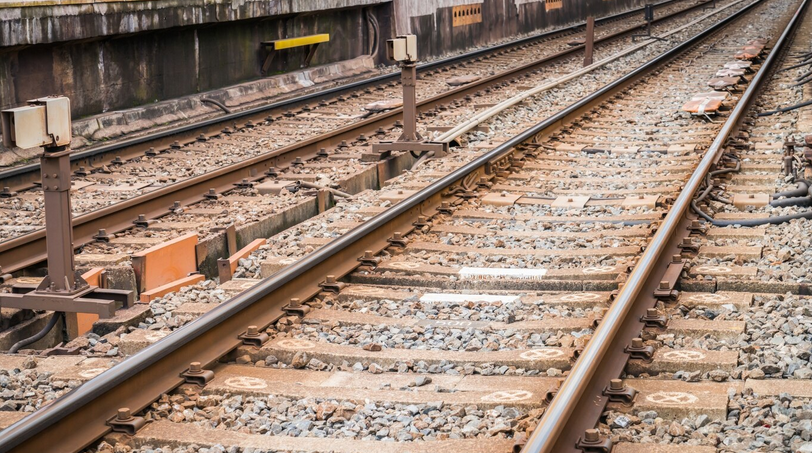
403,49
46,122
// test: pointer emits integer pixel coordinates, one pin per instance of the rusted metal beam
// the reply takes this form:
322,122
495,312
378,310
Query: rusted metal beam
589,40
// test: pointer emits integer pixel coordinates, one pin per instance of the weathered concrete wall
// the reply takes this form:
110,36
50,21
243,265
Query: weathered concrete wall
432,21
102,71
30,22
113,55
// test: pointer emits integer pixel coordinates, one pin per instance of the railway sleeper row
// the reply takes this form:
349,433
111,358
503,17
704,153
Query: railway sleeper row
472,318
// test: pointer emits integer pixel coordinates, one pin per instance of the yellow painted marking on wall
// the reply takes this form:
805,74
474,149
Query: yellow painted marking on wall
300,41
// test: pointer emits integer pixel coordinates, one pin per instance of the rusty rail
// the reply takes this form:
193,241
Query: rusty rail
580,400
29,249
79,417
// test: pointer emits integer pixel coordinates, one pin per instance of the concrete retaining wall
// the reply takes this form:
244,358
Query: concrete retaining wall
123,59
500,19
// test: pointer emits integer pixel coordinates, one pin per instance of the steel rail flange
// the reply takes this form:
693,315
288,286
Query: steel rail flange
80,416
553,433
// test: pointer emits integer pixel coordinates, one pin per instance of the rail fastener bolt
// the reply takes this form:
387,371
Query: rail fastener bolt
102,236
552,391
253,337
369,259
639,351
296,308
653,319
195,374
618,392
594,442
422,221
331,285
125,422
397,240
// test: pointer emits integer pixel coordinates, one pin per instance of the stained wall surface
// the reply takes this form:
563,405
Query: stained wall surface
111,55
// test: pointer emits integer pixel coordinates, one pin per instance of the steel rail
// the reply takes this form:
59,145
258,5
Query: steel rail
579,387
22,177
79,417
29,249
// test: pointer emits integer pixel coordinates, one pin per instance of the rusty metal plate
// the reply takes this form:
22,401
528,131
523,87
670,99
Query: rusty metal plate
746,54
550,5
395,196
738,65
647,201
387,104
462,80
730,72
120,188
272,187
688,148
624,149
466,14
570,202
702,106
500,199
721,95
720,83
78,185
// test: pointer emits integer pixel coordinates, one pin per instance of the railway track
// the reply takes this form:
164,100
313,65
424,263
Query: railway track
476,294
317,140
